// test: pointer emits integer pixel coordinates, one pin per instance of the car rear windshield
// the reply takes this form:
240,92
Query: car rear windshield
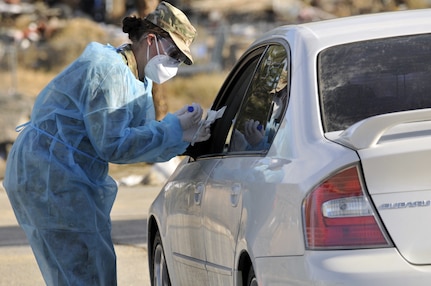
368,78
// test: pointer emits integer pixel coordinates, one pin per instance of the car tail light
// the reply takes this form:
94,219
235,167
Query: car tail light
338,215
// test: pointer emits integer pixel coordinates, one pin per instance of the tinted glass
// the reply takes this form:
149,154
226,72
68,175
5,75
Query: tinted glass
364,79
231,96
255,125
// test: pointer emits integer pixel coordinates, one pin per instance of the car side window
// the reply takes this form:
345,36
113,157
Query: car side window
254,126
258,85
231,96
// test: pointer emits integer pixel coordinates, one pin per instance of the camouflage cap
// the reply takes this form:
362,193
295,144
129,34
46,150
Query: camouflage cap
176,23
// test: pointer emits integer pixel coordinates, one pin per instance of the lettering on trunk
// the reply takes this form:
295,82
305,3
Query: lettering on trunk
404,205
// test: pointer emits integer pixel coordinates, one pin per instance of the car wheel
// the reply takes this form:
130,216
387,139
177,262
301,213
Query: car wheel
251,279
160,269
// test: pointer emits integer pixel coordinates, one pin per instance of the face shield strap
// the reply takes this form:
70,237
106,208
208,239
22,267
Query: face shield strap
157,47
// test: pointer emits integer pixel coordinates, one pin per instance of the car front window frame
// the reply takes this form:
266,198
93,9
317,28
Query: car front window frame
238,83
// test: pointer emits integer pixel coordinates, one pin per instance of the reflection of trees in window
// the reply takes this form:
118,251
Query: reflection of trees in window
368,78
258,102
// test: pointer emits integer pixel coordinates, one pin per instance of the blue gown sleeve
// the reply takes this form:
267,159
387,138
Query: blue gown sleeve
116,116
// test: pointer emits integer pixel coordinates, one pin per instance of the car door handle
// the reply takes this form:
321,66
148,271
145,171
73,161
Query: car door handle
234,194
199,189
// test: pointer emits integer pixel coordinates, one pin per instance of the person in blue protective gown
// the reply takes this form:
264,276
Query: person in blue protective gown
98,110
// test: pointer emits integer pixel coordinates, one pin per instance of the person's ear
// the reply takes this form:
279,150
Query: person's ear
149,38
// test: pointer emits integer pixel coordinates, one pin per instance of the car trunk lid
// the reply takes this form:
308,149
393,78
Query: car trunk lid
395,153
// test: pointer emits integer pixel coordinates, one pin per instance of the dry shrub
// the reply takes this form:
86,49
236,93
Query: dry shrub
199,88
417,4
75,36
66,44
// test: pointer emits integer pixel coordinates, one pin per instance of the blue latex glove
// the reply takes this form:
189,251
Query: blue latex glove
254,132
189,115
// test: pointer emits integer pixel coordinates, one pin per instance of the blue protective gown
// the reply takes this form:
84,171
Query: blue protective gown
92,113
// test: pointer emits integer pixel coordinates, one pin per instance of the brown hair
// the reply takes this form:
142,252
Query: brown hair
136,27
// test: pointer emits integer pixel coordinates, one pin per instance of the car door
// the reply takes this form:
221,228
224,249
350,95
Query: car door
262,101
184,221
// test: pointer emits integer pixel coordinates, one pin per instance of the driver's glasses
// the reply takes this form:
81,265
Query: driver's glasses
171,50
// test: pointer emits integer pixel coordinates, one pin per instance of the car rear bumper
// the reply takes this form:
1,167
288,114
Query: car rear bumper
348,267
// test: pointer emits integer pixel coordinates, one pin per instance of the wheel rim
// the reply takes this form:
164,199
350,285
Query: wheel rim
160,270
253,282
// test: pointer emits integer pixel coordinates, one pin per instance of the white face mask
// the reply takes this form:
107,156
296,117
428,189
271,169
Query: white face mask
161,67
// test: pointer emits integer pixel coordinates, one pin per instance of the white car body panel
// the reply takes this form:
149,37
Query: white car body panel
367,133
188,248
398,165
406,222
348,268
398,179
222,222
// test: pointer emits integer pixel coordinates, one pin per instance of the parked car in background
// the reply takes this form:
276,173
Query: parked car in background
319,170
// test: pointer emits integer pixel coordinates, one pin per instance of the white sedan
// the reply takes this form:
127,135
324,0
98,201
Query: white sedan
319,170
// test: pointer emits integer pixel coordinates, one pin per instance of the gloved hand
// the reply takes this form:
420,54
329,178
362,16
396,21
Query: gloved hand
254,132
196,134
189,115
238,142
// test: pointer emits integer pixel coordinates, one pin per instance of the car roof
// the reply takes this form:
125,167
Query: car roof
325,33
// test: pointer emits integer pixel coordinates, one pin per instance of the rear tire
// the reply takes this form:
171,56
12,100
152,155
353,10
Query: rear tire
160,272
251,279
